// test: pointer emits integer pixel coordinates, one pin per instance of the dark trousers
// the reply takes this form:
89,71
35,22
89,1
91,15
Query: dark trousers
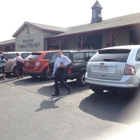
3,69
20,69
59,76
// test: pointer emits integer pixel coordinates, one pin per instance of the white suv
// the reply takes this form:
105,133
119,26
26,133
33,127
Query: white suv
114,68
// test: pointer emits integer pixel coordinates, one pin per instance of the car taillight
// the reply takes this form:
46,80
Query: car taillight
129,70
48,68
37,63
69,70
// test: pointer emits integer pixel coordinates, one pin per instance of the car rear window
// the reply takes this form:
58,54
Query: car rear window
10,55
25,55
48,56
34,56
119,55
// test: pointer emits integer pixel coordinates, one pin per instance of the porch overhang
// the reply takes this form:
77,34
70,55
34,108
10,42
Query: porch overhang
94,32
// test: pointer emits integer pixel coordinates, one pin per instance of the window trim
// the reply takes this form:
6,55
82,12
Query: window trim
136,55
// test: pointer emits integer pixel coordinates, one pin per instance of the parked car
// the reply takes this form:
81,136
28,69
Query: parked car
10,64
114,68
36,64
77,69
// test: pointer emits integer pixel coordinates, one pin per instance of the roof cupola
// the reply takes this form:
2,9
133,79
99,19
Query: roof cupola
96,12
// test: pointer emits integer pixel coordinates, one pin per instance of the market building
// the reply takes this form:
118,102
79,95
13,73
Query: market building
99,33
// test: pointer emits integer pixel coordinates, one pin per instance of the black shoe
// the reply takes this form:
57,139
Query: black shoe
55,94
69,91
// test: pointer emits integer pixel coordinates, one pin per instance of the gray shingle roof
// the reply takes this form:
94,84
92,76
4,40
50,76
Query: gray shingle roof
97,4
49,27
41,27
105,24
7,42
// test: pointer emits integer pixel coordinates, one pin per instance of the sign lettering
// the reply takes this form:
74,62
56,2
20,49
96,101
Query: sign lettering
29,43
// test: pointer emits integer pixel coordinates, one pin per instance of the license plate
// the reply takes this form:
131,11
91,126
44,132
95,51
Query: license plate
103,68
27,63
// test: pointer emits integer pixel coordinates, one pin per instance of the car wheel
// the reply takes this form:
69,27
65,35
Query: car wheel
47,76
15,71
81,79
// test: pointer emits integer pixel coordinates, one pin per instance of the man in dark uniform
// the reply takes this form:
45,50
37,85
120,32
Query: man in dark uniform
60,65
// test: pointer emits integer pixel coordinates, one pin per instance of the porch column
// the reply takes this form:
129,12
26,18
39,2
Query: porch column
81,39
48,44
60,42
112,37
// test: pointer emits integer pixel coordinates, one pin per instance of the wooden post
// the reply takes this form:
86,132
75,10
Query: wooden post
111,37
60,42
81,40
48,43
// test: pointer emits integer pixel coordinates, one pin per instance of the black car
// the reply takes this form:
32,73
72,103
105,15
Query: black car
76,70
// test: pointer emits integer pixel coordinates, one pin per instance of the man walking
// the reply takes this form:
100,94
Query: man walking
60,65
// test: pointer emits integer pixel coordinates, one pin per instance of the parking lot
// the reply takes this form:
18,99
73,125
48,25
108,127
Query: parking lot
29,112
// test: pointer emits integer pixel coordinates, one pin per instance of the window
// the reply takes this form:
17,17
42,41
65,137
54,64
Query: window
138,55
66,54
119,55
108,44
88,56
25,55
78,57
53,58
47,56
33,56
10,55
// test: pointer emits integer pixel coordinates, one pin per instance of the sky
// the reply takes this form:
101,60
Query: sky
61,13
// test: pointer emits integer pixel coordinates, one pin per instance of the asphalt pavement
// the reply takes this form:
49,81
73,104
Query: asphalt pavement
29,112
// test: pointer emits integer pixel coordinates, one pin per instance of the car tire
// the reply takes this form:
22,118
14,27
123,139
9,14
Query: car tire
46,76
15,71
81,79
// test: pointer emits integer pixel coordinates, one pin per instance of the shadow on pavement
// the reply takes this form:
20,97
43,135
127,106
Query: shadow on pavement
49,104
49,90
28,81
113,107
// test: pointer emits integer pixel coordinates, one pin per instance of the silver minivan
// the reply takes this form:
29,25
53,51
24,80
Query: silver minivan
114,68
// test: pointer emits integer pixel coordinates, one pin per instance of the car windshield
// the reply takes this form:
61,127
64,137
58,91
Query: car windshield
33,56
119,55
10,55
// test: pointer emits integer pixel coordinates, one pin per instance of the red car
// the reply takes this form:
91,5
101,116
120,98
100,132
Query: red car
36,64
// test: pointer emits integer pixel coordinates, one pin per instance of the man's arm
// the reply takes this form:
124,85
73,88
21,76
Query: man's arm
55,67
67,61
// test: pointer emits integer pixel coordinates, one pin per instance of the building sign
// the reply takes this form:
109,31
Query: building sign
27,31
29,43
